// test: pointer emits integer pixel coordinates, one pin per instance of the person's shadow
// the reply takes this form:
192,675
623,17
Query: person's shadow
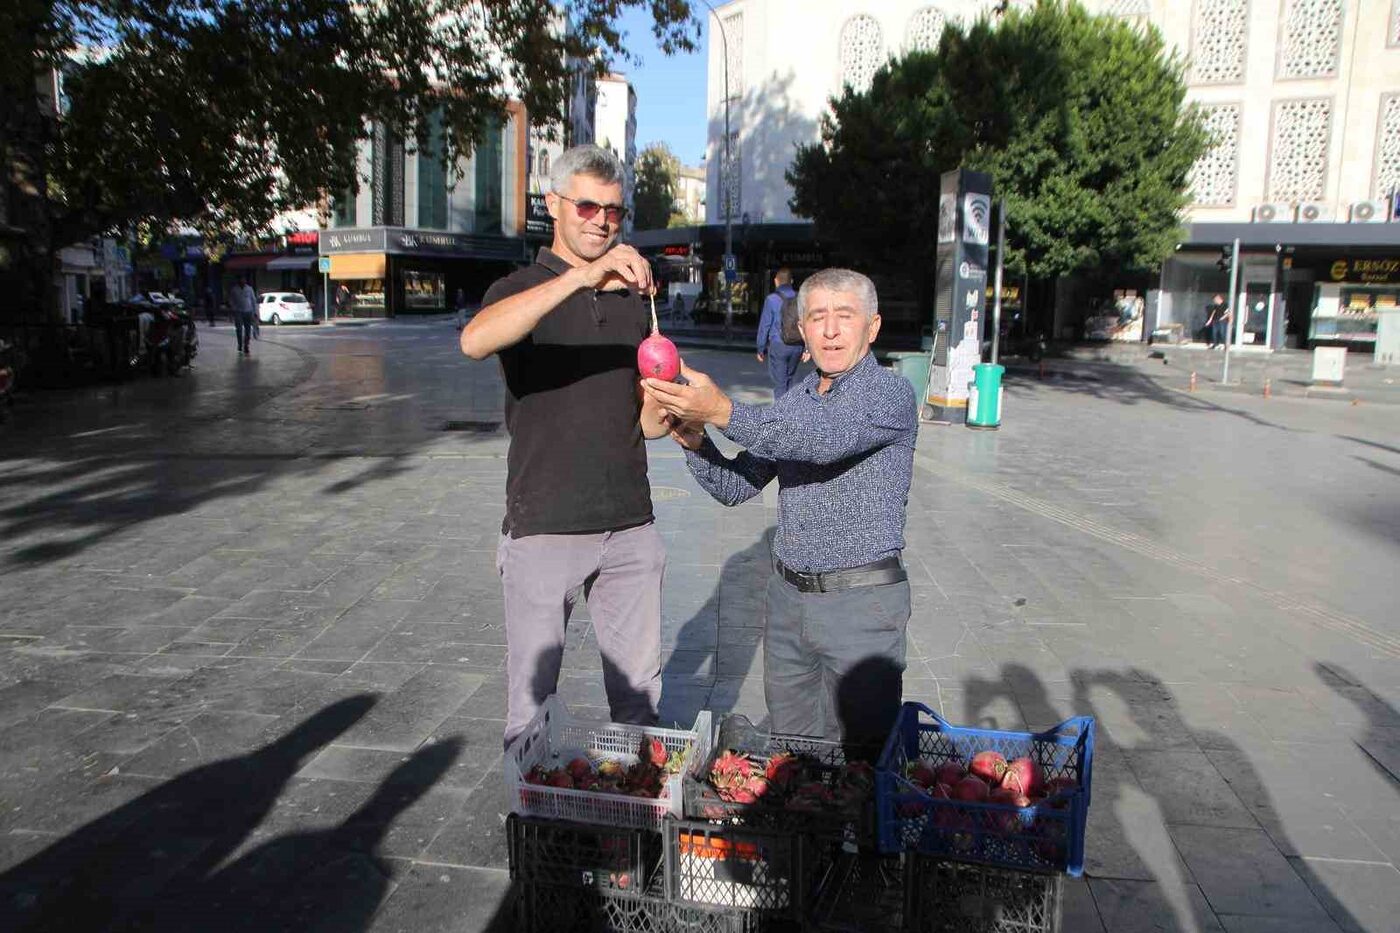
324,879
185,827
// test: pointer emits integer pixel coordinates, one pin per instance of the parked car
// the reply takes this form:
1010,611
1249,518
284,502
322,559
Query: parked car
289,307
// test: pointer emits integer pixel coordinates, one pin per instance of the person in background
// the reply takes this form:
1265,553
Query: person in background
243,301
841,446
460,303
1217,322
779,334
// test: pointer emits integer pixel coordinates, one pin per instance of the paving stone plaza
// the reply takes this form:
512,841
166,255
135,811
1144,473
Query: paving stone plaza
251,642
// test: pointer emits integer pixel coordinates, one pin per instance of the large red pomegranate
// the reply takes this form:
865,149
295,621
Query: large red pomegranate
657,357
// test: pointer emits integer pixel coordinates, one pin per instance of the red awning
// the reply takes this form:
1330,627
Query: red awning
234,263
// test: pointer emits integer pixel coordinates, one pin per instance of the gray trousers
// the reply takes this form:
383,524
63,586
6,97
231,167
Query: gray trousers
620,572
243,327
833,663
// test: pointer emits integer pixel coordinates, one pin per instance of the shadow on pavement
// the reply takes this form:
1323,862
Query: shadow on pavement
180,831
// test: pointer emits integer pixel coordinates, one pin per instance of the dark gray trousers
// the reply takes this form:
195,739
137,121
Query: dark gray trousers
833,663
620,572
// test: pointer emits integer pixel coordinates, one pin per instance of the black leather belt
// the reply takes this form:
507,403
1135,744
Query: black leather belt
878,573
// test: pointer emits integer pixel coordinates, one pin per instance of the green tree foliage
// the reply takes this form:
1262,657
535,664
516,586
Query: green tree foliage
223,113
1079,119
654,198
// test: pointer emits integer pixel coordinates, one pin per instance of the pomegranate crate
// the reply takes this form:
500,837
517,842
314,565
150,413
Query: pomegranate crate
554,738
1046,836
942,896
552,908
772,872
581,854
819,763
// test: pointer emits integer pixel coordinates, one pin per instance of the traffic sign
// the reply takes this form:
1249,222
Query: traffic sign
731,268
324,265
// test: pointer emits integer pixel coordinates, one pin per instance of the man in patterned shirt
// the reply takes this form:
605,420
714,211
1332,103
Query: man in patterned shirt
841,445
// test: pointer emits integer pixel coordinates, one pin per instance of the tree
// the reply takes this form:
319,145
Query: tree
1079,119
223,113
658,185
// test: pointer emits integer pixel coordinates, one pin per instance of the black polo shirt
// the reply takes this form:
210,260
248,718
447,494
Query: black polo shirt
577,460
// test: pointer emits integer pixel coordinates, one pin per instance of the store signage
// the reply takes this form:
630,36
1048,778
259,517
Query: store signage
354,241
1367,271
676,249
799,258
537,219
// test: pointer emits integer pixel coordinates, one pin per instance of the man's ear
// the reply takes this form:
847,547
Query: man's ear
551,204
874,327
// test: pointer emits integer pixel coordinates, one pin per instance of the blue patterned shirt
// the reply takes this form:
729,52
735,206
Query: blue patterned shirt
843,461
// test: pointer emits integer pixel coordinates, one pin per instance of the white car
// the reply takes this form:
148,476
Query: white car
285,307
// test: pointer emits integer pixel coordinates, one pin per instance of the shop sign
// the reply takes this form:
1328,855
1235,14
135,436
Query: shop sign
676,249
1366,271
800,258
537,219
354,241
302,242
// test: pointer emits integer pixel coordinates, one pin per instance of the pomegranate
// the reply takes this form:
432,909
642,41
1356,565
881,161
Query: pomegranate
1022,776
579,769
971,788
989,766
1058,792
657,357
950,773
922,774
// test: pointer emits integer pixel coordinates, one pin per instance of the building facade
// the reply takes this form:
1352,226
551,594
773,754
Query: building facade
604,112
1302,98
417,231
690,194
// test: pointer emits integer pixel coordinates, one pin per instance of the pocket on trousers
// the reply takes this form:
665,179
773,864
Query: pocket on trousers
501,555
893,602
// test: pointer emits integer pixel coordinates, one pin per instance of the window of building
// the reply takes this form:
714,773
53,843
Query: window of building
343,208
862,51
487,212
1387,178
1214,177
1218,41
544,162
1298,144
925,29
432,178
1312,39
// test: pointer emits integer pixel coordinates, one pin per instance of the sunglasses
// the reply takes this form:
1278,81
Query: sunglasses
588,209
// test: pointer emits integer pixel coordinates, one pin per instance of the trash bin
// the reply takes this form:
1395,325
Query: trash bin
913,366
984,397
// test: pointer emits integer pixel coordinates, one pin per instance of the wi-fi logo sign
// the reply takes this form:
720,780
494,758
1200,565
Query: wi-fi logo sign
977,218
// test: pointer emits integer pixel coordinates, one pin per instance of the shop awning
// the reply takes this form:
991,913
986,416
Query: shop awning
357,266
235,263
291,262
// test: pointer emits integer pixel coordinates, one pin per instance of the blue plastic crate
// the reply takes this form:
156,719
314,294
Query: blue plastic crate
1045,837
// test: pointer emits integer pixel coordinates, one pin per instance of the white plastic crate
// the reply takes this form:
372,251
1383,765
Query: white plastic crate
554,737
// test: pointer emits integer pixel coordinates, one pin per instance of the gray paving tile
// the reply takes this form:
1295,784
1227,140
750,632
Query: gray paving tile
1189,789
1241,872
433,898
1359,896
1149,907
410,713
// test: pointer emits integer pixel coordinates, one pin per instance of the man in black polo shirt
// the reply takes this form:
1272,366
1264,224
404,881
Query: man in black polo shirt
578,504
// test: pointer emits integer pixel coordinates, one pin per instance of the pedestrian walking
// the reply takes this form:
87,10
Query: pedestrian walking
1217,322
578,505
841,446
342,300
779,333
209,303
460,306
243,301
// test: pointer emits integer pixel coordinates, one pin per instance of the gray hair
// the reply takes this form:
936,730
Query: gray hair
839,280
594,161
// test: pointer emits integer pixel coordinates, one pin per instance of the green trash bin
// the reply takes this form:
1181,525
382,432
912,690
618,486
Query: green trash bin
984,397
913,367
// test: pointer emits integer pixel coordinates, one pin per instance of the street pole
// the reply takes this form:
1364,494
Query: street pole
996,295
1230,307
726,190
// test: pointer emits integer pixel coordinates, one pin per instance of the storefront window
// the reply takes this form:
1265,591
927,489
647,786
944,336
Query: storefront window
366,298
424,292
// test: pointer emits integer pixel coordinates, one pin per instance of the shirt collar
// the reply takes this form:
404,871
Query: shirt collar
552,261
862,365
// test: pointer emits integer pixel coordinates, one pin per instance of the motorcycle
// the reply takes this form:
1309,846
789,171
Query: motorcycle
168,340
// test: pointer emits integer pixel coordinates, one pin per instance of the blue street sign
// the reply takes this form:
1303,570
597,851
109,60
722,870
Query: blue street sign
325,265
731,268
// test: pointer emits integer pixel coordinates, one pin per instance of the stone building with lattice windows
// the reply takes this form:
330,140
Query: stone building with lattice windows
1302,97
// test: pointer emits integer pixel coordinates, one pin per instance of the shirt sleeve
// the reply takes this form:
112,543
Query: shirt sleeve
729,482
831,433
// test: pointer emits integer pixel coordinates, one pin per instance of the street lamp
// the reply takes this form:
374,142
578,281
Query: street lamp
726,165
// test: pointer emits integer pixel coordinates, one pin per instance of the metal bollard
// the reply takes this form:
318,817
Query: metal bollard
1193,381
